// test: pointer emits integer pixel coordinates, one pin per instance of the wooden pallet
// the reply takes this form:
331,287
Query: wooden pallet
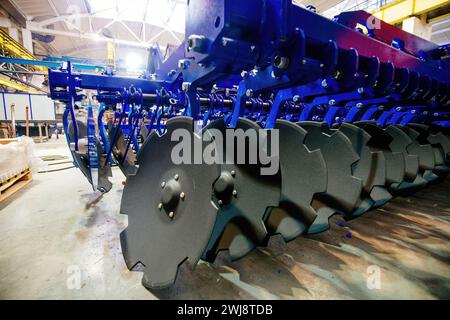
8,140
11,185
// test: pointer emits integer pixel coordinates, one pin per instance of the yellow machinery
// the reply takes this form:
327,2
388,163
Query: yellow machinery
12,49
400,10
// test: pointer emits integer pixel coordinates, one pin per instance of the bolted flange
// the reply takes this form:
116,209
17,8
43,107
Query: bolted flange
224,188
281,62
170,196
197,43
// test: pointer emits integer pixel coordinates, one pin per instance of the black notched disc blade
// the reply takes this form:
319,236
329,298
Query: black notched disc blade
303,174
442,153
425,154
127,165
441,149
242,195
343,188
401,143
144,132
381,140
169,208
82,159
371,169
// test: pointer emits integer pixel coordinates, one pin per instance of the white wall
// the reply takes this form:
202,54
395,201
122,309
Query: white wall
2,108
20,101
42,108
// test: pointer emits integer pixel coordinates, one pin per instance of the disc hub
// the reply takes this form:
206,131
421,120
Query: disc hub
224,188
171,195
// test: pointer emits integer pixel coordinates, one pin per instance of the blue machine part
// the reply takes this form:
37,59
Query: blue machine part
102,130
92,146
352,104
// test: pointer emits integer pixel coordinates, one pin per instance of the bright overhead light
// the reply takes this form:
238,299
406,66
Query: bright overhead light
95,37
133,62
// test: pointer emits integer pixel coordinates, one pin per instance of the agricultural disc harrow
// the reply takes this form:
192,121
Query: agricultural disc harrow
259,124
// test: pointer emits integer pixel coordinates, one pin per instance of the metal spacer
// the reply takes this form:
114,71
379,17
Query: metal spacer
185,86
197,43
183,64
281,62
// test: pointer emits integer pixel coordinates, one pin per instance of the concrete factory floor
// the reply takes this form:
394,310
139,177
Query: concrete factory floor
57,242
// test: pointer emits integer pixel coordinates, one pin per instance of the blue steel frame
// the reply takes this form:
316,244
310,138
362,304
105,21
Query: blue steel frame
271,59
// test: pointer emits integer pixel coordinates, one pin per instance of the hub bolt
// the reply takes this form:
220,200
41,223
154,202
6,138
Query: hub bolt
185,86
197,43
281,62
183,64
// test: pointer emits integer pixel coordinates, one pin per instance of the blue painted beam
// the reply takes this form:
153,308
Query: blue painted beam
50,64
83,61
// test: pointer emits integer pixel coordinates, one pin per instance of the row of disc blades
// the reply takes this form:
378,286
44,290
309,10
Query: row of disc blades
179,212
